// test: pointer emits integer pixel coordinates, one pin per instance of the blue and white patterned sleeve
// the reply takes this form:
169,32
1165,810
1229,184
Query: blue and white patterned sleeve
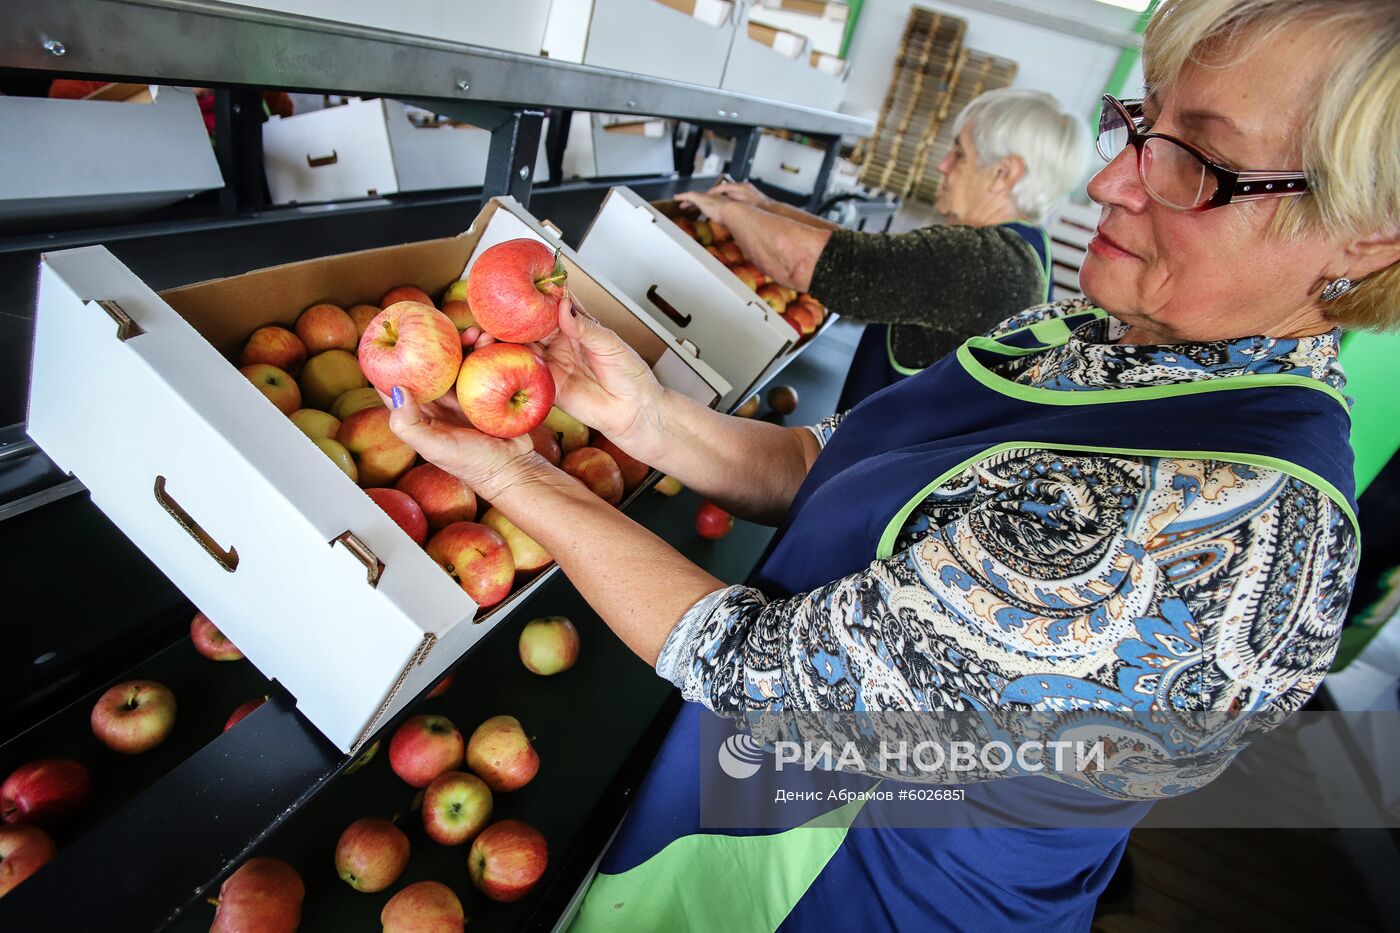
1092,585
823,429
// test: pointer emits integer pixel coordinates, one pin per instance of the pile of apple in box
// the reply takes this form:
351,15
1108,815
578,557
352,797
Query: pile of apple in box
803,313
330,370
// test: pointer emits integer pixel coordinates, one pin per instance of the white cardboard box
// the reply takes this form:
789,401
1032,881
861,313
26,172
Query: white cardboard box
825,32
612,145
150,155
234,504
517,26
685,289
755,68
789,165
644,37
369,148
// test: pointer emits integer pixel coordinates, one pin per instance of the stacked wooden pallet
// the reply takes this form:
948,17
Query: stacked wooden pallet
977,74
917,100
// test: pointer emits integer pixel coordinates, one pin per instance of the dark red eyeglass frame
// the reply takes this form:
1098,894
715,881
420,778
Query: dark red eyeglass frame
1231,185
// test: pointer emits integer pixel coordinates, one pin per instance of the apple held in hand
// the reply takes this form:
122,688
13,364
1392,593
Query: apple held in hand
549,645
134,717
327,376
425,747
597,471
347,403
263,896
23,851
279,388
211,642
237,715
500,753
424,907
525,552
443,497
406,293
572,432
406,513
477,558
456,807
380,457
505,389
507,860
515,288
44,792
326,327
634,472
316,424
414,346
275,346
371,854
712,522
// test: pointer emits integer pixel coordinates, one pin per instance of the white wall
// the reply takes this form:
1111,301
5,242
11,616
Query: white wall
1074,69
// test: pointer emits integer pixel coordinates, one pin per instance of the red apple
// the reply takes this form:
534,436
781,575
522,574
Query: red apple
500,753
747,273
782,399
23,851
371,854
507,860
634,472
339,456
44,792
712,522
546,443
549,645
237,715
720,232
460,314
275,346
816,307
423,748
515,288
380,456
456,807
789,294
597,471
804,316
279,388
406,293
774,296
525,552
443,497
263,896
414,346
477,558
424,907
326,327
442,686
572,432
315,423
716,252
327,376
505,389
792,321
731,251
134,717
347,403
668,486
404,511
686,224
211,642
362,315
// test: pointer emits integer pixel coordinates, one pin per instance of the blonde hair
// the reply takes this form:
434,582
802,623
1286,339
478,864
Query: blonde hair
1351,145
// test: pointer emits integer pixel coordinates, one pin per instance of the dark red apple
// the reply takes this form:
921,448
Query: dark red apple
505,389
442,686
263,896
546,443
514,289
405,512
23,851
237,715
507,860
712,522
425,747
211,642
424,907
44,792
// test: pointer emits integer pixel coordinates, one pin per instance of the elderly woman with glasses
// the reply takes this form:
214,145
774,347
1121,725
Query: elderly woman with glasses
1139,504
1015,155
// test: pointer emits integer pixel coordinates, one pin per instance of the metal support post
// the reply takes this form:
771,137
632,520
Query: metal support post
745,145
510,163
238,118
833,149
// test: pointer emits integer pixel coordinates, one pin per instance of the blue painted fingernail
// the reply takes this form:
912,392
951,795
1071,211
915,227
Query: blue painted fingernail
396,397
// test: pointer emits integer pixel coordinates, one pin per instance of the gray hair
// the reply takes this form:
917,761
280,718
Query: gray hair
1030,124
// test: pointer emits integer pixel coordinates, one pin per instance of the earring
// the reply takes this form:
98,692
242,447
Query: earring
1337,288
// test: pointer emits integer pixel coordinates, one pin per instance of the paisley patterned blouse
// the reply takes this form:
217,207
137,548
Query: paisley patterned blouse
1234,576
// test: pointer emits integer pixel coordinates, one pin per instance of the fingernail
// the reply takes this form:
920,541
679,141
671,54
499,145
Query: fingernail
573,310
396,397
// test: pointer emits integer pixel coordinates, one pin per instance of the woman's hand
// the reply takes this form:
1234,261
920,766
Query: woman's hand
602,382
443,435
712,205
741,191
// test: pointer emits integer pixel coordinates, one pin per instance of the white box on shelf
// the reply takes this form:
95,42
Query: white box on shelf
685,289
369,148
604,145
788,164
102,158
755,68
825,32
679,39
516,27
314,582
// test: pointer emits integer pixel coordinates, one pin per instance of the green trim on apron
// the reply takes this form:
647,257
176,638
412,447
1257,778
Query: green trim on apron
769,873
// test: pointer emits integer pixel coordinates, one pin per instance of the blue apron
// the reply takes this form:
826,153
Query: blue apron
665,871
873,366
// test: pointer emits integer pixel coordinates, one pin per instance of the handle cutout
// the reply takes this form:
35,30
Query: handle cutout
374,567
318,161
791,169
227,559
668,309
126,325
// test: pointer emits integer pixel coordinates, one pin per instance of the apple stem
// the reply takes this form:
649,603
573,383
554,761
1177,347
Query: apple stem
215,901
558,279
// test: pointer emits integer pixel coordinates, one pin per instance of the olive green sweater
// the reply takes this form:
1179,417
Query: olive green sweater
936,286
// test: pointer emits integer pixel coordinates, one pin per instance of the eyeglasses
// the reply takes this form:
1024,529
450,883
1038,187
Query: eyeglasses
1179,175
